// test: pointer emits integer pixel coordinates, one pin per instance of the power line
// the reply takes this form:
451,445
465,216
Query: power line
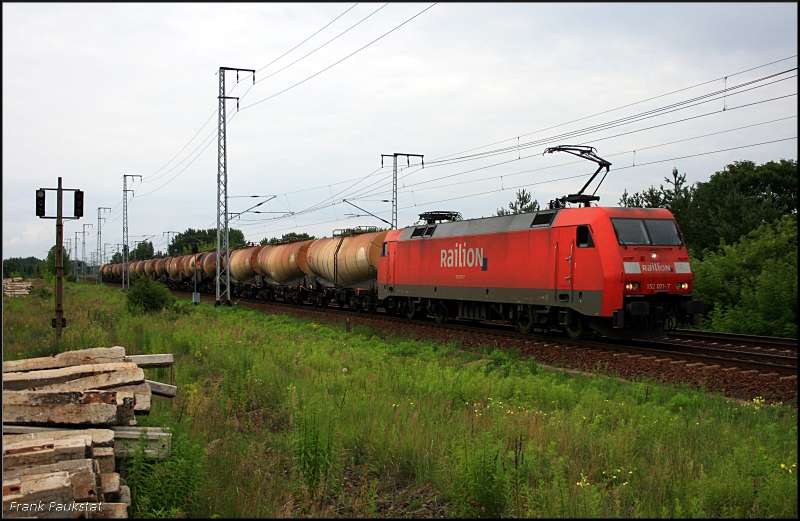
215,110
147,178
338,62
323,45
700,100
307,39
265,221
552,140
616,169
624,106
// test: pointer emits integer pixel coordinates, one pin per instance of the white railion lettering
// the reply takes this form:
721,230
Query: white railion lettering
444,259
470,257
449,258
464,255
479,257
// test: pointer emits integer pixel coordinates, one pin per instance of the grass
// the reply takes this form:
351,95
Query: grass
284,417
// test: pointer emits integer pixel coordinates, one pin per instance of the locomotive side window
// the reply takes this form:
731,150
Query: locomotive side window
385,250
663,232
584,237
542,219
630,231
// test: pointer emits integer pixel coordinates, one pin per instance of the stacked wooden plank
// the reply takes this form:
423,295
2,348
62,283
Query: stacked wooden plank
16,288
65,419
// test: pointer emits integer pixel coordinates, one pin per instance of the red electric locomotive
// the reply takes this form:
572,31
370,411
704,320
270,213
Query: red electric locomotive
622,272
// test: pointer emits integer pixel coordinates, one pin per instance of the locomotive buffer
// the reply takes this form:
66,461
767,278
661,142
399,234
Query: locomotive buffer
585,153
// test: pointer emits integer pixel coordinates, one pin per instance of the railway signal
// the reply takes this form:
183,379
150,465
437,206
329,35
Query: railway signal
40,202
78,204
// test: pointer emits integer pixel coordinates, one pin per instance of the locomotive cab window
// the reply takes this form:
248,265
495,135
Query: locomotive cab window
429,231
663,232
649,232
584,237
385,250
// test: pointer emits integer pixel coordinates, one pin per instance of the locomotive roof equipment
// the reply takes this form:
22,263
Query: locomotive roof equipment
585,153
434,217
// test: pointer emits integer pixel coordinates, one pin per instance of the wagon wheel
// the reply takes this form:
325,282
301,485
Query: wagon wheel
440,313
524,324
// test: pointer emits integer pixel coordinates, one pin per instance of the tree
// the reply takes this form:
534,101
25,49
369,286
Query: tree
746,291
19,267
206,240
286,237
116,258
48,266
142,251
523,204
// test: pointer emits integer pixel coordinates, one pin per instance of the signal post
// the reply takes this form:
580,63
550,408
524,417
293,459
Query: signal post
59,321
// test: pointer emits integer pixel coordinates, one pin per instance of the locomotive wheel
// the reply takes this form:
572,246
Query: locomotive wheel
577,331
524,324
409,310
440,313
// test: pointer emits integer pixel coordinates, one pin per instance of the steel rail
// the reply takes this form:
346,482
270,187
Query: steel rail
733,338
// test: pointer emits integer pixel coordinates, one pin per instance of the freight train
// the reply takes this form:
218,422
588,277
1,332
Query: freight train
616,272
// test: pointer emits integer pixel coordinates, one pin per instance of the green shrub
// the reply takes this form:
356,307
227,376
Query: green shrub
147,296
71,278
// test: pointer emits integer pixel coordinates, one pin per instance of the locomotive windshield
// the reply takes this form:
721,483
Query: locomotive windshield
647,232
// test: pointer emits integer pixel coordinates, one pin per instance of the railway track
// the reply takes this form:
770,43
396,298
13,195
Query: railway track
709,352
767,343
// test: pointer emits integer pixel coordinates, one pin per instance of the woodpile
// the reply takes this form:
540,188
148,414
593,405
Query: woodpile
16,288
65,420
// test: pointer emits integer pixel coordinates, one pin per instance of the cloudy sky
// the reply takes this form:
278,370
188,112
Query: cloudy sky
95,91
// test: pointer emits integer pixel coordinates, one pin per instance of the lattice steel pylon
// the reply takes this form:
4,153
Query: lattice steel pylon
99,235
223,273
83,255
126,272
394,180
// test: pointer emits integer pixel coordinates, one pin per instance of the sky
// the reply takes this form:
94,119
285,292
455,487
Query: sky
93,92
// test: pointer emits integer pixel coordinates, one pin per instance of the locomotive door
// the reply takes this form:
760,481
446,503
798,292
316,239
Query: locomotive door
563,266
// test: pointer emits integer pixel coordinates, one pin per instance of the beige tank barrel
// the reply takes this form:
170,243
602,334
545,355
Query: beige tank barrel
176,268
285,262
261,260
148,267
160,267
241,268
190,264
209,263
357,258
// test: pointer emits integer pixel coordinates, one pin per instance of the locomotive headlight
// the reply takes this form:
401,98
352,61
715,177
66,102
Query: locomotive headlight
653,255
683,285
632,286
